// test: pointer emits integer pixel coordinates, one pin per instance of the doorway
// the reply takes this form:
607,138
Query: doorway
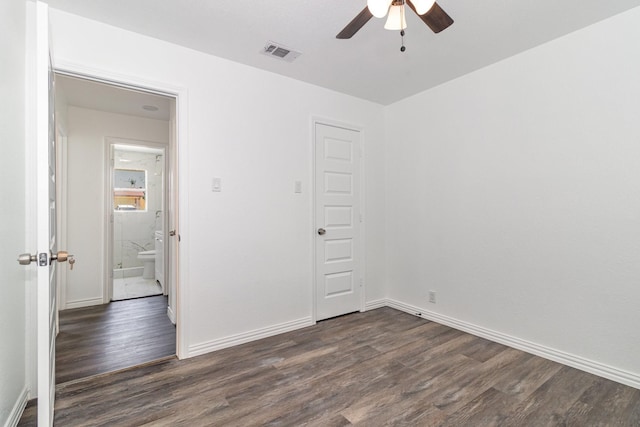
136,206
98,119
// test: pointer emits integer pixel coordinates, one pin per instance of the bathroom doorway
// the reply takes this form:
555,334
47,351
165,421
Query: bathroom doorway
137,183
102,121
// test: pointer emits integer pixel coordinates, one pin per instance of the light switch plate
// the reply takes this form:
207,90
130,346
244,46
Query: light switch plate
297,187
216,185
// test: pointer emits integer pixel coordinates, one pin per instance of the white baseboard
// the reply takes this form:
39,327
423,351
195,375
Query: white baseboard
372,305
171,314
18,409
84,303
230,341
593,367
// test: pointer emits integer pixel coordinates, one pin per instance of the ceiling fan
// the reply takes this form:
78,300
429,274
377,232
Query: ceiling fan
428,10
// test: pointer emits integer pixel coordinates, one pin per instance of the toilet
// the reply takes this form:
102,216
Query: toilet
148,259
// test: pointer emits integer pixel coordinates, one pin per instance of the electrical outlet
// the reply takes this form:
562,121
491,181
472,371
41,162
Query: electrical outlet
432,297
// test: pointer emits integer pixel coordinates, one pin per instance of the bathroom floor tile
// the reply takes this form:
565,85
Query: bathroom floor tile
134,287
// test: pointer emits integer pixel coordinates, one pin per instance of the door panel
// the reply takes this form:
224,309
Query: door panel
338,183
338,289
338,250
338,284
338,217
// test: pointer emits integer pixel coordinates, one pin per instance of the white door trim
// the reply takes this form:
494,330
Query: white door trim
180,153
362,245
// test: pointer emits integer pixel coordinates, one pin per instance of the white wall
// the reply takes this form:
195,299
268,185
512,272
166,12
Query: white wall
249,265
86,165
514,193
13,381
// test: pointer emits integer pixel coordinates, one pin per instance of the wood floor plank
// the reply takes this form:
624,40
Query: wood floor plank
482,350
599,399
409,393
379,368
465,387
524,378
434,350
551,402
490,408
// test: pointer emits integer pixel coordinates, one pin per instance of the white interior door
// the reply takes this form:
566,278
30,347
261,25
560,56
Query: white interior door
46,219
337,193
172,236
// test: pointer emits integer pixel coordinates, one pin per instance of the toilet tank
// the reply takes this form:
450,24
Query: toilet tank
160,259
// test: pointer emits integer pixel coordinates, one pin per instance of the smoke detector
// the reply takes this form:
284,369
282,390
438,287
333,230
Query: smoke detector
278,51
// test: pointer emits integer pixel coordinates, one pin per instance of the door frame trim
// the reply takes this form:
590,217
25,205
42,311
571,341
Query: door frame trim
179,153
61,205
315,120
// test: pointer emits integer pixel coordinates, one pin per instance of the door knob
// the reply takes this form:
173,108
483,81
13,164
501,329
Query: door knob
26,259
322,231
61,256
172,233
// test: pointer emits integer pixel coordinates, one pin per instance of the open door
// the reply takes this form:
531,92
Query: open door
172,239
45,214
45,206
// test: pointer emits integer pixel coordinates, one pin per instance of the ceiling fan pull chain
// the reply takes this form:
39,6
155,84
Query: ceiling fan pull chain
402,26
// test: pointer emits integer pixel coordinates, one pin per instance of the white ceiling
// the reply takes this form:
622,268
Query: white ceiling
98,96
370,65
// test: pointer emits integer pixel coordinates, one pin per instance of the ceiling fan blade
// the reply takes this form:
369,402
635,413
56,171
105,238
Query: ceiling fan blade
436,18
357,23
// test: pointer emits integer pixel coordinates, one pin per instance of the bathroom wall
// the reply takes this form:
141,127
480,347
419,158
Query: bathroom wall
86,220
134,231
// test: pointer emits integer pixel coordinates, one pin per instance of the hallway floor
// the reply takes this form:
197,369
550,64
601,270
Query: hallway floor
105,338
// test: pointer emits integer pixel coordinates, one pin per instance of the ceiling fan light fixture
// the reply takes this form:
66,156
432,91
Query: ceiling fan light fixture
423,6
434,17
396,19
378,8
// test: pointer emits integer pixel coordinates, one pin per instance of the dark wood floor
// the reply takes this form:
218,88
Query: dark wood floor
104,338
382,367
